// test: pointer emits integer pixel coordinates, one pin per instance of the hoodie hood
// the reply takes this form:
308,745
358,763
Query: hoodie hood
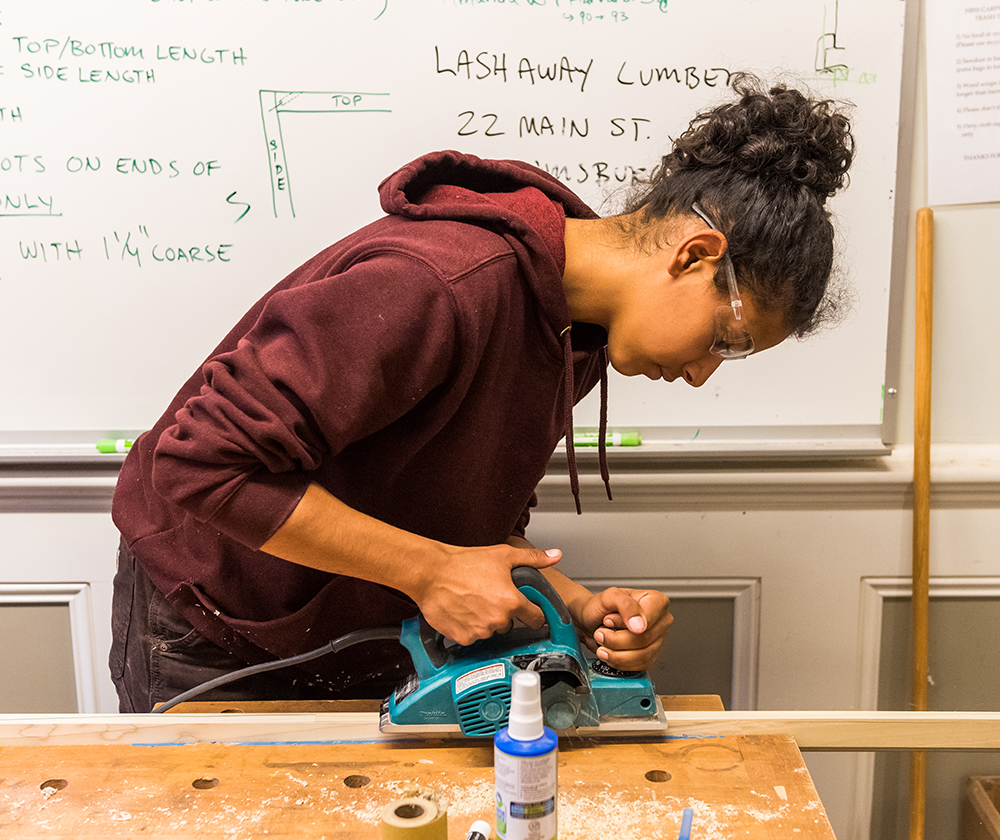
495,194
402,193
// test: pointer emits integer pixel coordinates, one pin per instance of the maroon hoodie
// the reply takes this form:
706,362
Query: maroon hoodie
417,370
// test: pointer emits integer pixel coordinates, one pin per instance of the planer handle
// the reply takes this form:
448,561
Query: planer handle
525,577
537,589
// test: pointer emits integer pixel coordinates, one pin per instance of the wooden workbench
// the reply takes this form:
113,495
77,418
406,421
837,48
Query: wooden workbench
747,786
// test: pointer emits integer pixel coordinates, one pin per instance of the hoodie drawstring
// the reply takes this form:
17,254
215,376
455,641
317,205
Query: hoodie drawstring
602,440
574,477
568,398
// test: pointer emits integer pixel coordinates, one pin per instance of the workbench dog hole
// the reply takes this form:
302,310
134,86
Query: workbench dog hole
658,776
50,786
356,781
205,783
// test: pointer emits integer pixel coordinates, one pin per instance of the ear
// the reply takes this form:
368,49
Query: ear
704,245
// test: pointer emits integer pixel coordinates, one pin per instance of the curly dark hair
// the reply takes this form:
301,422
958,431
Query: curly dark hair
763,167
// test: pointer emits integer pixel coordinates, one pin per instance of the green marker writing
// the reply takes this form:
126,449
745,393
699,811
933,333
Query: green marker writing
120,445
610,438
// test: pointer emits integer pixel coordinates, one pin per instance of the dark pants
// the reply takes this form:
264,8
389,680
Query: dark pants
156,654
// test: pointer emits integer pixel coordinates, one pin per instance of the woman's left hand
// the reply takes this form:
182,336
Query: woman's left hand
626,627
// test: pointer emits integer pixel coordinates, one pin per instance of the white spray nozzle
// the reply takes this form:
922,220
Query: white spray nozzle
525,722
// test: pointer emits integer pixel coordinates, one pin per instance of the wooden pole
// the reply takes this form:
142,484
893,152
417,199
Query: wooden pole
921,504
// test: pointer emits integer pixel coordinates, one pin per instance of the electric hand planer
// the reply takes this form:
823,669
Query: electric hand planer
467,689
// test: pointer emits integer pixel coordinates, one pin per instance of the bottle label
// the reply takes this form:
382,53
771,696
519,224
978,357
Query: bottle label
526,796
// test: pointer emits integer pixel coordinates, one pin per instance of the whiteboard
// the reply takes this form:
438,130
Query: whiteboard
165,162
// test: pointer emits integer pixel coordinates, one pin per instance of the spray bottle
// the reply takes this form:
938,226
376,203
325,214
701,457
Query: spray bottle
525,755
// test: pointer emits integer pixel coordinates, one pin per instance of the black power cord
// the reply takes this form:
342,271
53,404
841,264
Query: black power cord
335,646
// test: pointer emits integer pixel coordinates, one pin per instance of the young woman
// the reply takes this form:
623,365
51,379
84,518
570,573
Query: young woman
366,441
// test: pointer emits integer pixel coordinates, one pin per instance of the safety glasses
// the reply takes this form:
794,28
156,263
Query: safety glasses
732,340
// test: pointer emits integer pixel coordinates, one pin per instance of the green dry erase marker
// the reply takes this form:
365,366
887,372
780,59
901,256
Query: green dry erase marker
120,445
610,438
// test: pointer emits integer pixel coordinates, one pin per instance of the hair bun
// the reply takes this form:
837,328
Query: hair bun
774,133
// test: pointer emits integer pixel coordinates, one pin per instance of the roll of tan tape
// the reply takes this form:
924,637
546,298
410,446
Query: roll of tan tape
421,816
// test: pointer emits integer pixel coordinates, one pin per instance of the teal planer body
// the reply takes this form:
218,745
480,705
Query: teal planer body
467,689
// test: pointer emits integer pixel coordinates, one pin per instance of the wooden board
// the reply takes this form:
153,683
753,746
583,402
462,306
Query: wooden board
853,731
738,786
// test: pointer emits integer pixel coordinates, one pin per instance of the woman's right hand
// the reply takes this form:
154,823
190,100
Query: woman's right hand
471,596
464,593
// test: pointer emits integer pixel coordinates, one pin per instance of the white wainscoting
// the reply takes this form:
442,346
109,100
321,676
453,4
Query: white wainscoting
76,598
789,542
